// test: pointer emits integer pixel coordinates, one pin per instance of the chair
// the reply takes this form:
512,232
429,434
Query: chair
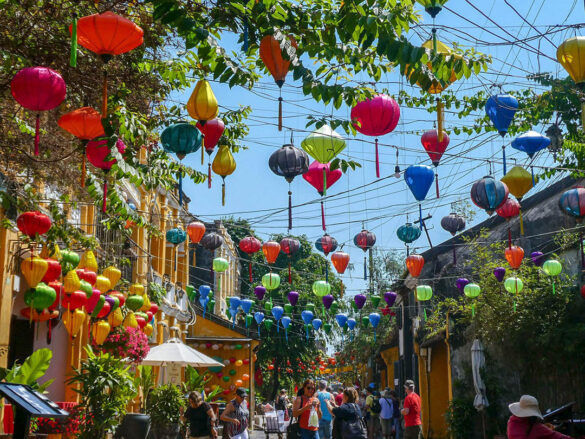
272,426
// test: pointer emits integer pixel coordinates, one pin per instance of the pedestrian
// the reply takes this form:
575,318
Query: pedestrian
526,421
200,417
325,422
362,403
411,412
282,405
386,414
395,413
305,408
339,396
347,419
373,409
236,416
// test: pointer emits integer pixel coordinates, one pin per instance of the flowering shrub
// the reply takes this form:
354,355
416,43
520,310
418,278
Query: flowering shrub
124,342
68,425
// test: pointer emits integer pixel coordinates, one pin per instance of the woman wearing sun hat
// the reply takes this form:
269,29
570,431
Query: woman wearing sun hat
526,421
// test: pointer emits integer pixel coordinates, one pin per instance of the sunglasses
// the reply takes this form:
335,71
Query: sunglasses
310,388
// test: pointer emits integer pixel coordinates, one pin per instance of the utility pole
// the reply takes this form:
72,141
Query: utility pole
424,226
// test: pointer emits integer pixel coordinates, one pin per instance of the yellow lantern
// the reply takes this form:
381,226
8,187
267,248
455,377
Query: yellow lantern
148,329
136,289
116,318
223,165
103,284
202,105
51,252
147,305
130,321
519,182
71,282
571,55
73,321
113,275
100,331
88,261
33,269
239,363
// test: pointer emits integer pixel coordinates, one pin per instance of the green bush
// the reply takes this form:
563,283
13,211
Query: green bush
460,417
164,405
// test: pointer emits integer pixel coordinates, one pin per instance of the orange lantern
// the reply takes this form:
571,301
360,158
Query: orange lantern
239,383
34,269
100,331
415,264
246,377
514,256
39,316
196,230
271,55
271,249
107,34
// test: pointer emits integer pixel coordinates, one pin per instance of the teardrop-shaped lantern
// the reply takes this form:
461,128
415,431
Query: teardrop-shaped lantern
223,165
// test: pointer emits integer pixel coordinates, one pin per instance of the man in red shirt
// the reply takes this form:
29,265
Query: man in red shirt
411,412
339,396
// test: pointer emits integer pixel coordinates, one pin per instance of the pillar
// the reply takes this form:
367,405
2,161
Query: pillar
6,288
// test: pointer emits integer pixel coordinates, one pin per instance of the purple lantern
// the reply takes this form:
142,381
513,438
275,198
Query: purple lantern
328,301
293,297
260,291
461,282
499,273
537,258
360,301
390,298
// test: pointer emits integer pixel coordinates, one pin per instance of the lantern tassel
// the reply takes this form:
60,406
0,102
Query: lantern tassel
250,270
437,183
209,176
472,310
509,237
223,193
365,269
377,161
324,182
521,222
180,187
289,273
504,156
420,215
105,196
37,134
323,216
280,113
202,152
83,170
440,119
425,313
289,210
514,305
73,55
105,95
553,282
532,172
286,335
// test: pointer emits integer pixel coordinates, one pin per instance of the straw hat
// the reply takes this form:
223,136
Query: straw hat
526,407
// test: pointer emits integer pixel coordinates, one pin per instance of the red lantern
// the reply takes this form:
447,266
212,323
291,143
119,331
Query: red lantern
435,147
289,247
89,276
514,256
212,131
415,264
271,249
75,300
340,261
38,89
106,310
153,308
33,223
140,320
270,367
120,297
375,117
58,287
250,245
97,152
196,230
365,240
321,177
509,210
53,271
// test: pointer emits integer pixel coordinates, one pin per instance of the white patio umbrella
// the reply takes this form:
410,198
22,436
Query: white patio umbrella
174,351
477,363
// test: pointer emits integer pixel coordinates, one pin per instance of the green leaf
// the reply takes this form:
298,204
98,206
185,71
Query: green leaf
34,367
161,9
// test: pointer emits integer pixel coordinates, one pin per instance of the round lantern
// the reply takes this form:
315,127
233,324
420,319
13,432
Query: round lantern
552,268
415,264
365,240
289,247
424,292
514,256
195,230
220,265
271,249
38,89
271,281
321,288
211,241
513,285
572,202
489,194
453,223
223,165
408,233
250,245
33,224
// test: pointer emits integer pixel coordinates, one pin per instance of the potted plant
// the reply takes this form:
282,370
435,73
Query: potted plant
106,388
164,405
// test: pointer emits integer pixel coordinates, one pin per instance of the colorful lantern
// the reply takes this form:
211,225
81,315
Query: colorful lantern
419,179
509,210
365,240
374,319
519,182
453,223
327,301
289,247
552,268
514,256
359,300
531,142
408,233
38,89
277,313
73,321
501,109
435,145
537,258
285,324
271,250
390,298
33,224
250,245
432,7
376,117
340,261
415,264
323,144
307,317
293,297
341,319
499,273
289,162
321,177
259,317
96,152
100,331
271,281
489,194
572,202
113,275
181,139
271,55
424,293
33,269
211,241
472,290
259,292
223,165
212,131
571,54
513,285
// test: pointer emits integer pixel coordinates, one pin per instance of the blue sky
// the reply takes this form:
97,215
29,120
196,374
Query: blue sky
255,193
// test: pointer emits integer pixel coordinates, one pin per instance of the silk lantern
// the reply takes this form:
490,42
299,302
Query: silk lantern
323,144
307,317
376,117
38,89
289,247
250,245
202,106
212,131
499,273
33,224
277,313
571,55
501,108
96,152
419,179
531,142
424,293
259,292
211,241
514,256
289,162
271,55
472,290
489,194
513,285
195,230
176,236
271,281
435,145
453,223
365,240
390,298
408,233
537,258
359,300
181,139
552,268
285,324
271,249
259,317
292,297
223,165
322,177
326,244
33,269
508,210
415,264
107,35
100,331
374,319
73,320
519,182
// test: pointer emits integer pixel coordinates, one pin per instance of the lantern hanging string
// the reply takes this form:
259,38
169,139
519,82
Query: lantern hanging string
437,181
504,154
280,110
323,216
37,134
377,160
105,94
289,208
180,184
209,175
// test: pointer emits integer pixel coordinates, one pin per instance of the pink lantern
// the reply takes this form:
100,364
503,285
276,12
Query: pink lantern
435,147
97,151
314,176
212,131
375,117
38,89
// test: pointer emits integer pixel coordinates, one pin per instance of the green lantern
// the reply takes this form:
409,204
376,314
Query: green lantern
190,290
232,372
327,328
424,293
268,324
365,321
472,291
86,288
514,286
249,320
321,288
211,305
268,305
226,378
271,281
354,306
43,296
375,299
310,307
334,308
288,309
238,347
220,265
552,268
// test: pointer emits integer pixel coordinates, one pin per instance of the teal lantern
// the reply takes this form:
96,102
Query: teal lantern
176,236
271,281
552,268
472,290
408,233
181,139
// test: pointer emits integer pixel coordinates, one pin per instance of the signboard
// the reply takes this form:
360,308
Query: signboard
33,402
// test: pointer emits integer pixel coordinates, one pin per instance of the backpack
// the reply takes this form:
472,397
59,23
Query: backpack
354,428
376,407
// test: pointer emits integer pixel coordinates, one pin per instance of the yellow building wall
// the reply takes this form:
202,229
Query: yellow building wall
389,356
434,389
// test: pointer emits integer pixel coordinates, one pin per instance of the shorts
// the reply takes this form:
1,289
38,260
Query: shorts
324,429
386,425
242,435
309,434
413,432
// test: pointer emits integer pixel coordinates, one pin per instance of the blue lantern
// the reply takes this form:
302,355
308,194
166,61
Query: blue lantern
316,324
204,290
277,312
234,305
285,323
307,317
258,316
419,179
351,324
408,233
500,109
572,202
176,236
530,143
246,305
489,194
203,300
374,320
341,319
